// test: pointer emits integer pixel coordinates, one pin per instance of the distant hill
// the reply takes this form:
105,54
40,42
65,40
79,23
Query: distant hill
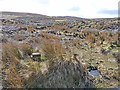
71,21
20,14
23,14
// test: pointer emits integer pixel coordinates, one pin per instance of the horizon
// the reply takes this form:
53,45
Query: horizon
75,8
56,16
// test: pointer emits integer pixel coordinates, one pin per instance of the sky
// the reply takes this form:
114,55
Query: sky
78,8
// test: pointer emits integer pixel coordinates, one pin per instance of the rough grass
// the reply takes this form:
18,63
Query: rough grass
63,74
11,65
10,54
52,48
13,78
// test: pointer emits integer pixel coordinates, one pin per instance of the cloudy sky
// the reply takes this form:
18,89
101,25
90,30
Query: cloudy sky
79,8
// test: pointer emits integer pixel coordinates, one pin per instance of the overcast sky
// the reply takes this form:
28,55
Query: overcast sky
79,8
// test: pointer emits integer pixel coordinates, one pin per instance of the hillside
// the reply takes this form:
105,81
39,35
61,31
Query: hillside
42,51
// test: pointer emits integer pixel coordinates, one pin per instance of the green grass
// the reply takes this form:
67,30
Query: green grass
43,58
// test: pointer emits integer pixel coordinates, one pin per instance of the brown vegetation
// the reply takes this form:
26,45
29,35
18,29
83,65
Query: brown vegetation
52,48
26,49
13,78
10,53
11,65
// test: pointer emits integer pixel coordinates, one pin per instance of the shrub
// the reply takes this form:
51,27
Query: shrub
26,49
13,78
19,37
11,65
90,38
52,48
10,52
47,36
